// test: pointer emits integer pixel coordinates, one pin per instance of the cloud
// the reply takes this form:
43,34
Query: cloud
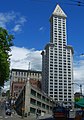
21,20
6,86
19,23
41,28
79,72
6,18
17,28
12,18
21,57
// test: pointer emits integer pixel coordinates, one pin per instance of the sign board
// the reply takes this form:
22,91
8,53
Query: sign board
72,114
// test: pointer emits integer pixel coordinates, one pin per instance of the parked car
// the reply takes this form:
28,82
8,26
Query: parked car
8,112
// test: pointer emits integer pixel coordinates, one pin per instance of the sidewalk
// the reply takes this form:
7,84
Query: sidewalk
24,118
1,118
32,117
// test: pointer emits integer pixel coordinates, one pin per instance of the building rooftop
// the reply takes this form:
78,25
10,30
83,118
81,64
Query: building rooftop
22,70
59,12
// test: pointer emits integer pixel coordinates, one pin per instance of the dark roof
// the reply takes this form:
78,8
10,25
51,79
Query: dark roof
21,70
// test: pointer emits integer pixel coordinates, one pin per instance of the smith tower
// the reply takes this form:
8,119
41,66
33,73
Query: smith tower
57,59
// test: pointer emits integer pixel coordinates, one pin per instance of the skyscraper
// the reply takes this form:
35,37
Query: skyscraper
57,60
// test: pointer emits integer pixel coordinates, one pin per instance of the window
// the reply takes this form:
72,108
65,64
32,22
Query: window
43,98
32,101
38,103
43,105
32,110
33,92
47,107
15,87
16,73
38,95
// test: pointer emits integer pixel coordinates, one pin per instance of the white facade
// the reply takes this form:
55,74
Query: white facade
57,59
22,75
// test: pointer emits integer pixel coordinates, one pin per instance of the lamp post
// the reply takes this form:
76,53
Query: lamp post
80,88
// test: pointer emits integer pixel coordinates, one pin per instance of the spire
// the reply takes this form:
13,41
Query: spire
59,12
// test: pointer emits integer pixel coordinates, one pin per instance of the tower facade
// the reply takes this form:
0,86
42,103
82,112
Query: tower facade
57,59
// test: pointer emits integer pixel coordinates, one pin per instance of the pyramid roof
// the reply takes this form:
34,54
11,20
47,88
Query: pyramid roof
58,11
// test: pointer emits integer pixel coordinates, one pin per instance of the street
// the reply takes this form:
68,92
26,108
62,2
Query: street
13,116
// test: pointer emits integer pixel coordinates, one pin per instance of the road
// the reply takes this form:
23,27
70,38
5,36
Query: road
3,116
14,116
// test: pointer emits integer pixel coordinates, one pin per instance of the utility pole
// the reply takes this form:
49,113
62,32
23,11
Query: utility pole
29,66
81,90
23,98
80,85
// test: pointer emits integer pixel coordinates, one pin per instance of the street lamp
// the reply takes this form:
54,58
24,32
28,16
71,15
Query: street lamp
80,88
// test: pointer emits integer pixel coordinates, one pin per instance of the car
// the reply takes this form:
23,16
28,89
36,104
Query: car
60,112
8,112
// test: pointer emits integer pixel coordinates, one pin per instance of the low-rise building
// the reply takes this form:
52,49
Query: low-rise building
23,75
19,77
16,88
32,100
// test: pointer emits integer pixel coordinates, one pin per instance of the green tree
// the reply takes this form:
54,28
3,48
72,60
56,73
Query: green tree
6,41
77,99
8,93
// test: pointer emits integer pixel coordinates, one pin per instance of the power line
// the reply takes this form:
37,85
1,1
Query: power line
73,3
70,2
79,3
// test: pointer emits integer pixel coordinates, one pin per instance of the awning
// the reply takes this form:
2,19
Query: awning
80,103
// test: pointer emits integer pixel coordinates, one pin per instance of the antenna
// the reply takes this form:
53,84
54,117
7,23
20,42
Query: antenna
29,66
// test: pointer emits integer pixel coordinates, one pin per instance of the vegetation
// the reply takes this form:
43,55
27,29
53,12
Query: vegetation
5,44
77,99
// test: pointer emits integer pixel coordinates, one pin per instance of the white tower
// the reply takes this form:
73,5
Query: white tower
57,59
